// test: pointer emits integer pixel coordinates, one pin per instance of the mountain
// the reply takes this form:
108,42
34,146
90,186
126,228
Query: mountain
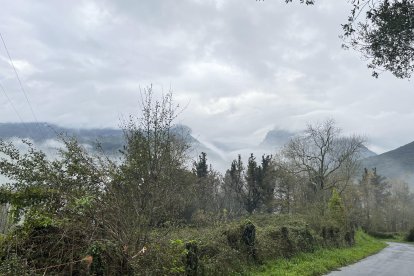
277,138
366,153
219,153
397,163
110,139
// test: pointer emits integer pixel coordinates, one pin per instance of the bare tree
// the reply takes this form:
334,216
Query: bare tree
324,156
150,186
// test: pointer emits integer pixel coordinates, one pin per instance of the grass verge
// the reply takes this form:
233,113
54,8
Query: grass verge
322,260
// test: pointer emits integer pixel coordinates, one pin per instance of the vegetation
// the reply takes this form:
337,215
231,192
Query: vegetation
323,260
410,235
149,213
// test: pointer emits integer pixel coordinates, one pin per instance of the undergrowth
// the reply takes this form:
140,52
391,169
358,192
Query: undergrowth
322,260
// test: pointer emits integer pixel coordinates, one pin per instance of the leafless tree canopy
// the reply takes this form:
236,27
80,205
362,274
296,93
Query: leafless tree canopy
322,152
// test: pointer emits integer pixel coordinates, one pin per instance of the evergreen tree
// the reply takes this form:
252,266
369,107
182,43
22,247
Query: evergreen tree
201,167
375,191
266,179
233,187
207,184
252,201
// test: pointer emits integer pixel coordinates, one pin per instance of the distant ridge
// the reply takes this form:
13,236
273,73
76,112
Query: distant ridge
366,152
277,138
397,163
110,139
42,131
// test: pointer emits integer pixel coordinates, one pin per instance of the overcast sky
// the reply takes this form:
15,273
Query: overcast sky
241,67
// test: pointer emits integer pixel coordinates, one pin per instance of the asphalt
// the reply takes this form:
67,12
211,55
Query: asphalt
397,259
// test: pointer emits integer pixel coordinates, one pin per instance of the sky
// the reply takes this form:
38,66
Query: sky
238,68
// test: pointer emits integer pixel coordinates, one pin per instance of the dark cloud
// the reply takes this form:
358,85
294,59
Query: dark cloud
242,66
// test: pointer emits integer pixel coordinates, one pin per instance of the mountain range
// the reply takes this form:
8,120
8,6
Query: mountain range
219,154
397,163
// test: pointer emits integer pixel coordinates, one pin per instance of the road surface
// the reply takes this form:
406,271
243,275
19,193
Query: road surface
396,260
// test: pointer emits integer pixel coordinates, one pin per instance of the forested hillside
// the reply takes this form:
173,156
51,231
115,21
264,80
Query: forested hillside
398,163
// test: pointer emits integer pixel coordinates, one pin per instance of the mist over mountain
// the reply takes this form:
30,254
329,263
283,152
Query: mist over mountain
277,138
366,153
226,152
219,153
111,140
397,163
45,137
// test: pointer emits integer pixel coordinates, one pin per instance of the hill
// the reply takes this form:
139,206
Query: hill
366,153
219,154
110,139
44,135
397,163
277,138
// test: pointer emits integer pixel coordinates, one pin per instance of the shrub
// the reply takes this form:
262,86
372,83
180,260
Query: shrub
381,235
410,235
161,256
44,246
223,249
285,241
13,265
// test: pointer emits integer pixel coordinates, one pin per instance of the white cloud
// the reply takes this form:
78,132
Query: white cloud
242,67
91,15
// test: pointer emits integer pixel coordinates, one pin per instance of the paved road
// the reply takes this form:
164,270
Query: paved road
396,260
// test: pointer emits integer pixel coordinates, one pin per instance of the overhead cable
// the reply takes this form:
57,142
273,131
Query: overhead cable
18,78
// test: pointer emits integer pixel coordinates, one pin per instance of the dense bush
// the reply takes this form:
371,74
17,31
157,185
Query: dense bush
410,235
228,248
60,250
382,235
221,249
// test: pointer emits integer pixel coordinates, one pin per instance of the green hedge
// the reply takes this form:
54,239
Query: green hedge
230,248
223,248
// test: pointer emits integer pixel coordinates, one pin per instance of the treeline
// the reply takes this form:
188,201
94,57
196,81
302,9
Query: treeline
302,178
89,214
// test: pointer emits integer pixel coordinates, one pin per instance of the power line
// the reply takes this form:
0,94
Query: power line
11,103
18,78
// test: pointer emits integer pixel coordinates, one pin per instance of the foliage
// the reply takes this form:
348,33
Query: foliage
148,213
13,265
52,200
382,235
410,235
206,186
336,209
375,197
385,36
79,205
322,260
227,248
201,167
252,187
